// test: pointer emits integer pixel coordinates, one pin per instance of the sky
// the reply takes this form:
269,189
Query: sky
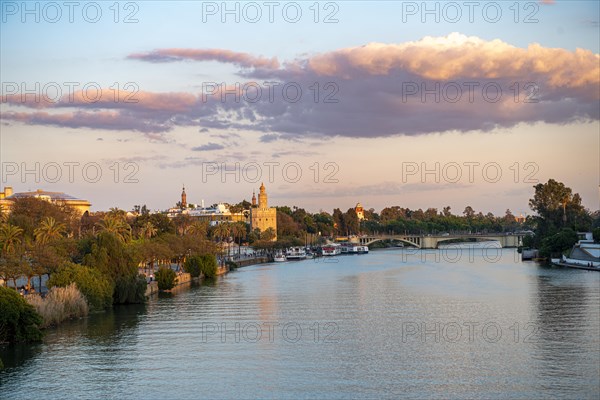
414,104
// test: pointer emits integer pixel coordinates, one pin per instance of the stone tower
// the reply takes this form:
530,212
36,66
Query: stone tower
262,216
262,197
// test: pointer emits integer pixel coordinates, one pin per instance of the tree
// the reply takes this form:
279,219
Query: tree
10,237
469,212
148,230
268,234
19,322
96,288
49,230
29,212
238,230
286,226
119,262
165,278
192,266
208,265
221,231
559,242
557,207
182,223
116,225
198,229
339,224
351,222
596,235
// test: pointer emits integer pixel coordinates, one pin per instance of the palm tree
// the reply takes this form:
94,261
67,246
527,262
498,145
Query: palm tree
49,230
148,230
116,212
10,237
117,226
221,231
238,230
3,214
182,223
197,229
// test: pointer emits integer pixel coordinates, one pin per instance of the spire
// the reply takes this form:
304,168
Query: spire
253,198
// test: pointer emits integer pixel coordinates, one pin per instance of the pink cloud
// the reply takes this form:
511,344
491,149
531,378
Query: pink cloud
243,60
373,88
460,57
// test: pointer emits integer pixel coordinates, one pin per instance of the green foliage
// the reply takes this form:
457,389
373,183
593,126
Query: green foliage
528,241
208,265
557,243
130,290
19,322
29,212
596,235
192,266
557,207
60,304
111,256
165,278
97,288
231,265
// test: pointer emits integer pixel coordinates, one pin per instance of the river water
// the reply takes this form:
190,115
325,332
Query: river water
451,323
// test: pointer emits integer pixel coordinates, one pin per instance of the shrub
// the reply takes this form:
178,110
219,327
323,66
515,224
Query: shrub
231,265
97,289
19,322
165,278
130,290
192,266
559,242
208,266
596,235
60,304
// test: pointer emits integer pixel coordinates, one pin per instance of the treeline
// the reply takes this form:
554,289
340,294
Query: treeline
99,253
559,216
296,222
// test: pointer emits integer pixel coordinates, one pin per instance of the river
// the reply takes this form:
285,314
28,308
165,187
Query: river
466,322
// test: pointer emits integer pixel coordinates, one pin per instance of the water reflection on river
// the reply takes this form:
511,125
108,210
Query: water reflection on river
390,324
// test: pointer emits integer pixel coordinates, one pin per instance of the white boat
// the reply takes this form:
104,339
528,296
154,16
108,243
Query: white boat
353,248
279,257
362,249
333,249
296,253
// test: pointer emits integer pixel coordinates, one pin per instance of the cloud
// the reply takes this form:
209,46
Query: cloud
208,147
434,85
107,120
243,60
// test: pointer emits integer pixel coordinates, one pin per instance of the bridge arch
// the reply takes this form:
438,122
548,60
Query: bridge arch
371,240
466,239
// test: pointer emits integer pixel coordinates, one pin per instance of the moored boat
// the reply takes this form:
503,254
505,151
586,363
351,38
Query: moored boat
296,253
333,249
279,257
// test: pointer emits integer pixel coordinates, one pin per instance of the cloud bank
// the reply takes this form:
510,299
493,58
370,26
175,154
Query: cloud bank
434,85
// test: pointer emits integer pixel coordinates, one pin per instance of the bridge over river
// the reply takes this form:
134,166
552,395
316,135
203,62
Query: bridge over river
432,241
